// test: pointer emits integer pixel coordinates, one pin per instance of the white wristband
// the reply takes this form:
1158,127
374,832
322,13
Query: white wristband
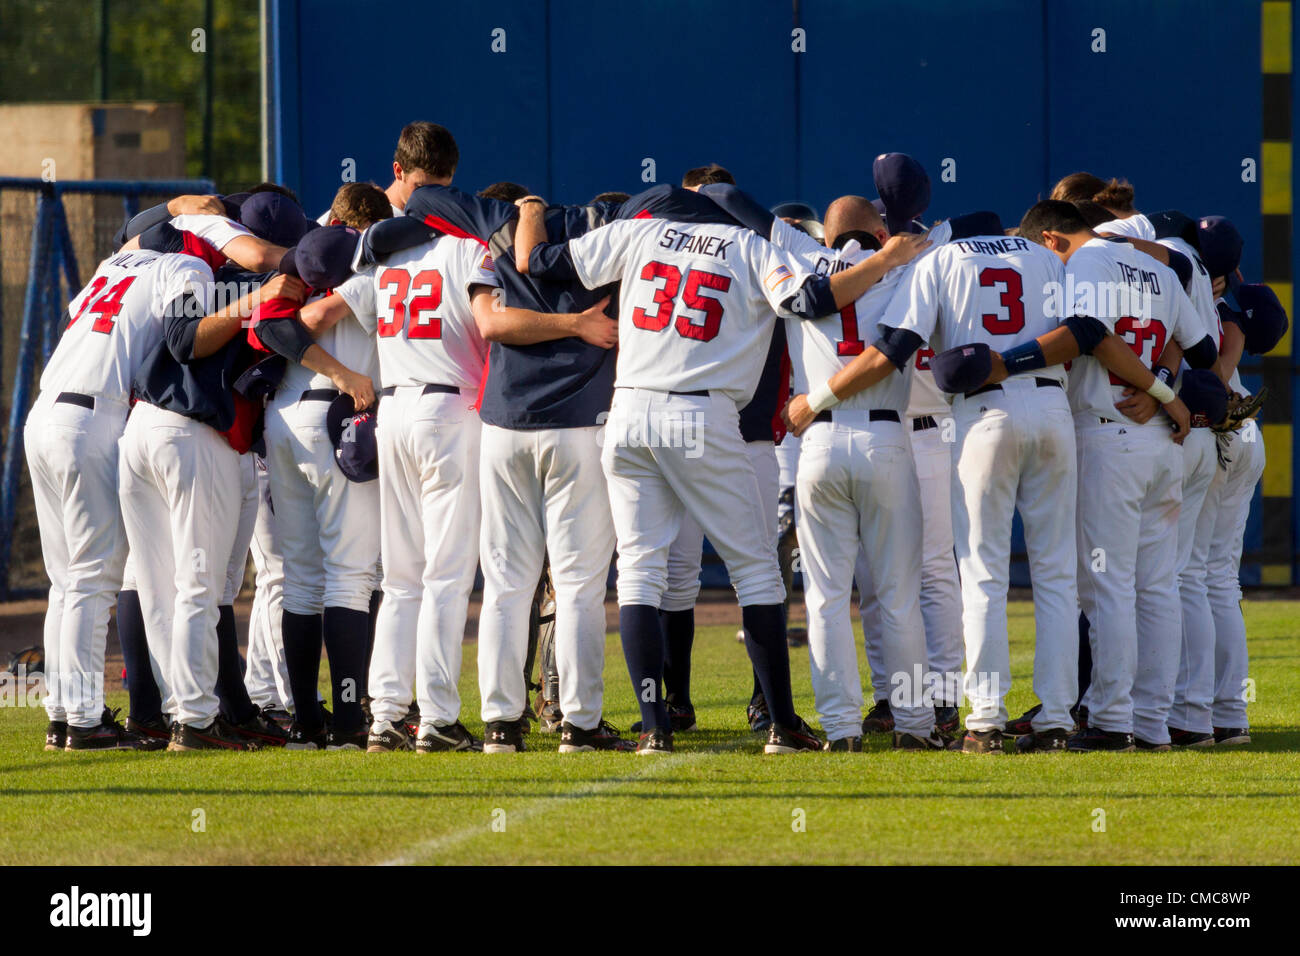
822,398
1161,392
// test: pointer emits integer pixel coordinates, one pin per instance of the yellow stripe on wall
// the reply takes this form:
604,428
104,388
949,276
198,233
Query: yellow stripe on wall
1276,29
1285,292
1277,467
1275,574
1275,179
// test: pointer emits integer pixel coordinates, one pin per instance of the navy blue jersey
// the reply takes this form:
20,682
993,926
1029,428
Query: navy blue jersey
756,418
564,383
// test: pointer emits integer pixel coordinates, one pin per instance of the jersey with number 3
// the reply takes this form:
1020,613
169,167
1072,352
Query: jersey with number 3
697,303
998,290
117,319
417,303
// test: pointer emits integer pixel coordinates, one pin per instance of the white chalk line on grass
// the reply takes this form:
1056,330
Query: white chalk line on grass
650,766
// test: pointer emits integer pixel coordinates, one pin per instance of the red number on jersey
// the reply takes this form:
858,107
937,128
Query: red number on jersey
95,288
396,308
1146,337
658,320
850,344
107,306
710,306
1010,300
432,328
923,356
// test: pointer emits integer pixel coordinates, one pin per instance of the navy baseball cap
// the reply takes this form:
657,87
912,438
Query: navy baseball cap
1263,320
275,218
805,218
262,378
1204,396
1172,224
323,259
352,434
1220,245
976,224
904,189
962,369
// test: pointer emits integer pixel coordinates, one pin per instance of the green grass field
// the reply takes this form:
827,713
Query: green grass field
716,800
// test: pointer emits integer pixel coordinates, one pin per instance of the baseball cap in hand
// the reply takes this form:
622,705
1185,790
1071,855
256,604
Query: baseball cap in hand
352,434
323,259
1220,245
1263,320
904,189
804,216
1205,397
1172,224
275,218
962,369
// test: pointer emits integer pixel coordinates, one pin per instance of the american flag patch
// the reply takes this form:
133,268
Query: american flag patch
777,276
487,264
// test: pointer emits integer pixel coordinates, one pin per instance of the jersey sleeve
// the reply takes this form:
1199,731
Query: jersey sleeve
1189,327
790,239
1089,273
780,274
914,306
599,257
217,230
185,291
458,213
359,293
480,267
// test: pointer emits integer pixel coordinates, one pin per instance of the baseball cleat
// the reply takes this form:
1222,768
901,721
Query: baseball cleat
852,745
158,727
450,738
412,721
266,732
549,717
503,737
758,716
879,719
1141,744
1042,741
904,740
604,737
386,737
56,735
301,738
655,742
108,734
792,740
217,735
279,716
1080,715
682,719
1094,739
946,720
982,742
1231,736
357,740
1190,738
1022,725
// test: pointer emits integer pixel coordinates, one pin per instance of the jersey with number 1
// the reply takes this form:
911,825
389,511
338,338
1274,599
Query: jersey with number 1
117,320
1002,291
417,303
697,303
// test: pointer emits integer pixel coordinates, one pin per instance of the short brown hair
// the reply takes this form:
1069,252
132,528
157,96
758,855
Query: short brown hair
612,196
429,147
505,191
707,175
270,187
360,204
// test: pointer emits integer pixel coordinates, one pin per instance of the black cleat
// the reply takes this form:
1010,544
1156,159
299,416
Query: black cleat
1019,726
605,737
303,738
159,728
56,735
946,720
879,719
1080,715
1094,738
277,716
453,737
682,719
108,734
792,740
851,745
503,737
357,740
1231,736
387,737
655,742
217,735
412,720
903,740
760,719
267,733
982,742
1190,738
1042,741
1141,744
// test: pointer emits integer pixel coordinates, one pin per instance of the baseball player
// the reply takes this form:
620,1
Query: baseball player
426,154
1116,196
267,675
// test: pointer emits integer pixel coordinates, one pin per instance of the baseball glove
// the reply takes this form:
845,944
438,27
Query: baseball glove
1241,408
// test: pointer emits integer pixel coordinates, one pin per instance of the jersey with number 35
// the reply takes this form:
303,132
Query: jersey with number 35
417,303
999,290
697,303
118,318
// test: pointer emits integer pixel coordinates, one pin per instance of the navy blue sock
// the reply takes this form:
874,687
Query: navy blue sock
346,637
231,692
765,641
302,640
679,635
146,699
643,649
1085,658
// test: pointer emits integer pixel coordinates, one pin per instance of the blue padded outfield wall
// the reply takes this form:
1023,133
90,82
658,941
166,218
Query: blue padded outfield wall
1189,99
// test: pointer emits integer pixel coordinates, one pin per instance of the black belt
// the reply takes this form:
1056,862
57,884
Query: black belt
319,395
924,423
76,398
698,393
428,390
1040,382
875,415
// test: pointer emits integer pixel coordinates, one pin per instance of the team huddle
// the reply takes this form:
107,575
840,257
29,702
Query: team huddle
424,384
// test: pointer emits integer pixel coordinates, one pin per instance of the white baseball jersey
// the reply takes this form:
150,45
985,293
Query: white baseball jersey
118,318
1137,298
217,231
821,347
1137,225
417,302
998,290
696,304
347,340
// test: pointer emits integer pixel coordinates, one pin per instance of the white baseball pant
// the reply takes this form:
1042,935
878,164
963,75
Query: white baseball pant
180,493
429,536
72,455
238,564
543,494
267,674
1015,450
